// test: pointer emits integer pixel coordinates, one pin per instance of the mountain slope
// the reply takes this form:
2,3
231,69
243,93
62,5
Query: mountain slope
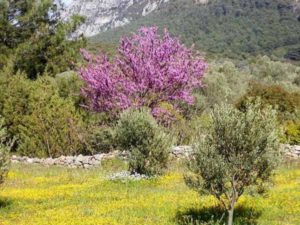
103,15
234,28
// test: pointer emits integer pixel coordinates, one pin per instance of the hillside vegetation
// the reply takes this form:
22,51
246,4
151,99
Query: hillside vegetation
233,29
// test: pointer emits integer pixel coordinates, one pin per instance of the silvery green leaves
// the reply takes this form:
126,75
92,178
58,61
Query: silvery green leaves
241,148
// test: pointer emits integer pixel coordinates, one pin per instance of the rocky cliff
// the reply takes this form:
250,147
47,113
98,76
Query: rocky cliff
102,15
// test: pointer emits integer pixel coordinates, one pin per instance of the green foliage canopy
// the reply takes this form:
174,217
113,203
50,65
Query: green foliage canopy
138,132
4,151
34,37
239,149
234,29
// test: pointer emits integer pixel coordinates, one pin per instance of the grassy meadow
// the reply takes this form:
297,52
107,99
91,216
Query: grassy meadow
40,195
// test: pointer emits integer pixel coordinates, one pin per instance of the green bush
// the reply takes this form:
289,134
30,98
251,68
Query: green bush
186,131
69,85
51,129
102,139
43,122
286,103
4,151
224,82
14,102
292,132
297,80
272,72
240,149
138,132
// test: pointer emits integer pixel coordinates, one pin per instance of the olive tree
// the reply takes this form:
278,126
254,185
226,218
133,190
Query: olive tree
148,144
240,149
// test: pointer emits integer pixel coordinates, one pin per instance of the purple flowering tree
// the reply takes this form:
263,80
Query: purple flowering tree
150,69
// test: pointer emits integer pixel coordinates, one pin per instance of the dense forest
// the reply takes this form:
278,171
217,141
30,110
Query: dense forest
231,28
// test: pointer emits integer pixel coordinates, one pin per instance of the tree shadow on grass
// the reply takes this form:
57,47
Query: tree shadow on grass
4,203
217,216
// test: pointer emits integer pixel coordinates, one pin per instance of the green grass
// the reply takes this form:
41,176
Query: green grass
40,195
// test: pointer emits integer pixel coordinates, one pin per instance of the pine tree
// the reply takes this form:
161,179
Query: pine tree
33,34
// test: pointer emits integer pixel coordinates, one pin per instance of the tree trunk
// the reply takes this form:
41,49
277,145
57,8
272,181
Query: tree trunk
230,216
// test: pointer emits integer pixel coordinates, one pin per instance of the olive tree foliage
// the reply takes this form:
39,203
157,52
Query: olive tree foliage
240,149
4,151
268,71
138,132
224,81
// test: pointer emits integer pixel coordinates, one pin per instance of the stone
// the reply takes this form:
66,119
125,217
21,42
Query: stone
77,162
30,161
36,160
182,151
107,14
94,162
86,160
87,166
124,155
49,161
69,159
126,175
24,159
79,158
98,157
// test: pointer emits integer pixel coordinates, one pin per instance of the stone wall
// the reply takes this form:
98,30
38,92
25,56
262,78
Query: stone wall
292,151
80,161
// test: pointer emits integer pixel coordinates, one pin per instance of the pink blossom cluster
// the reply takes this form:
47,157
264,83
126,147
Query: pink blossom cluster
148,70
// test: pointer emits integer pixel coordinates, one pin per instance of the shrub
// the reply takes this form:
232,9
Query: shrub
224,82
51,129
166,114
297,80
275,72
186,131
138,132
15,101
69,86
239,149
292,132
43,123
4,151
102,139
286,103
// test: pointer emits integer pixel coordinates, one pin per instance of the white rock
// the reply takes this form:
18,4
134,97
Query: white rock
98,157
30,161
49,161
107,14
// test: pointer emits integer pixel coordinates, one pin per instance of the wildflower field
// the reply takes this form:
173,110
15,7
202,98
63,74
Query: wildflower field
40,195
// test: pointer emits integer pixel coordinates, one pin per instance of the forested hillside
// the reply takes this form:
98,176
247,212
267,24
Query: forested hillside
233,28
